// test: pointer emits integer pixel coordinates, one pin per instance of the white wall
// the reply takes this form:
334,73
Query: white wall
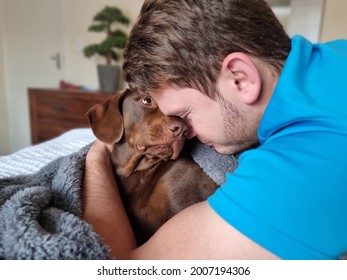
334,23
4,135
305,18
80,69
32,34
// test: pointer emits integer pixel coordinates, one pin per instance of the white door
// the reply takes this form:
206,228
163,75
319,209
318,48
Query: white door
33,57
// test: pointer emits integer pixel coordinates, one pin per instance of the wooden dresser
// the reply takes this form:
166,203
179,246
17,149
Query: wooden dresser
55,111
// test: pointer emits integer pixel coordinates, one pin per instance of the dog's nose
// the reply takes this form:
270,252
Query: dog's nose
178,129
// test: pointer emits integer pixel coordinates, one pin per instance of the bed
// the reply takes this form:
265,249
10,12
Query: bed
30,160
40,198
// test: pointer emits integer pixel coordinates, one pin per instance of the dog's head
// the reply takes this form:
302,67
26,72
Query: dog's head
134,120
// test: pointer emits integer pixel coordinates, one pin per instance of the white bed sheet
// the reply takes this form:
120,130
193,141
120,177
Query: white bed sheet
29,160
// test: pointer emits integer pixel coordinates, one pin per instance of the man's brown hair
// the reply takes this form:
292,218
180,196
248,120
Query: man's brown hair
184,42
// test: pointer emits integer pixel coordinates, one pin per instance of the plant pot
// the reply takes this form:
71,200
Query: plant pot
109,77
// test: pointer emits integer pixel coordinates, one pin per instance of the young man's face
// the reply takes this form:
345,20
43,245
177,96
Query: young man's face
212,122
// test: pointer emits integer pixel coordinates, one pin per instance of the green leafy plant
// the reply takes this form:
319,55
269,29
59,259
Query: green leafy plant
105,21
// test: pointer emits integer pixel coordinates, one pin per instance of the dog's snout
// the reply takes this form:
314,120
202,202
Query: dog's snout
178,129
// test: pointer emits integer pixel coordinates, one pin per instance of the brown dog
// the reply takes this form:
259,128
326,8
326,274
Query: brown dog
157,179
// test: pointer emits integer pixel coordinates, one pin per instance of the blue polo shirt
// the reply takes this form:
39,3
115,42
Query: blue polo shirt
290,194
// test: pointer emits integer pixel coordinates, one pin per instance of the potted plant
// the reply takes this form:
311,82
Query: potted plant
107,21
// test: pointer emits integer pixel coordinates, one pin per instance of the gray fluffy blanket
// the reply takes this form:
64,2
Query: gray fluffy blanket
41,214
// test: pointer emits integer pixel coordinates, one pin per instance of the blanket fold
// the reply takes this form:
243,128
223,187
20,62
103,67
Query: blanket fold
41,213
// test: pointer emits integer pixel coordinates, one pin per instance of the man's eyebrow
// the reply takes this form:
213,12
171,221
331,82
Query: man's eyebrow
176,112
171,111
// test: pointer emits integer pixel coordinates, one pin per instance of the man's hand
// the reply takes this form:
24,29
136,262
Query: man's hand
99,152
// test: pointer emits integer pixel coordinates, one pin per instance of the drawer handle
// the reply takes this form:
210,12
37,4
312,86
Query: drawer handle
58,108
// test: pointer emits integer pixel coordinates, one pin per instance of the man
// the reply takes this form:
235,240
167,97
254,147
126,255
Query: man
231,72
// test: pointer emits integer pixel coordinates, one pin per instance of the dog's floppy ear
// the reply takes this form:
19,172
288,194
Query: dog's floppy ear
106,120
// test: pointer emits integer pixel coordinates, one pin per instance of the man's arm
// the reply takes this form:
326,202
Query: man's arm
102,206
195,233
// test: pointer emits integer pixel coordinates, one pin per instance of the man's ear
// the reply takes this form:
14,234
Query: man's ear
241,74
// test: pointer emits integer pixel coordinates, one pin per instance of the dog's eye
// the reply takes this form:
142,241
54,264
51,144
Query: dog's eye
147,100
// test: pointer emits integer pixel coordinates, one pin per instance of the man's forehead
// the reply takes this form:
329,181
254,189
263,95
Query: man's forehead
170,101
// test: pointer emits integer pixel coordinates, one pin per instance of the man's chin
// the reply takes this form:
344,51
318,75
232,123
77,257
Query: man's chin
225,150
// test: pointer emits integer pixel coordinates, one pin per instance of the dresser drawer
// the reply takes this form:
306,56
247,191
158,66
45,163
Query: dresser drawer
62,108
53,112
